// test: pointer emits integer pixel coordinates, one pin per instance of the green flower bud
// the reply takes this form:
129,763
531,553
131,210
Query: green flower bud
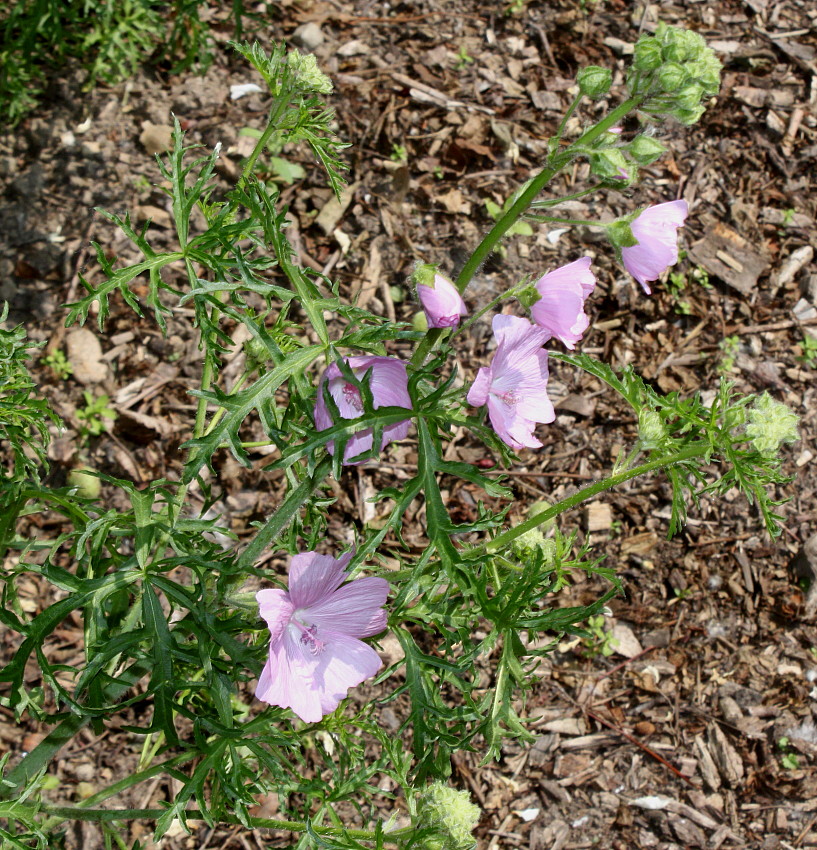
688,116
645,150
672,76
594,81
539,507
771,424
309,77
420,322
647,54
451,814
256,353
86,484
610,163
689,96
651,430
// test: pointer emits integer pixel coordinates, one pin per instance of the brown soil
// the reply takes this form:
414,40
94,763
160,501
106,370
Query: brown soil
717,655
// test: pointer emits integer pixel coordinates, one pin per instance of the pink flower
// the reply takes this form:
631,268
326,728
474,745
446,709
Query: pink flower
560,308
657,247
441,302
389,386
514,386
315,654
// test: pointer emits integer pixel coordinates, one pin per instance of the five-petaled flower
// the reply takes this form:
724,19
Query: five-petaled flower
562,293
389,387
514,386
441,301
657,248
315,652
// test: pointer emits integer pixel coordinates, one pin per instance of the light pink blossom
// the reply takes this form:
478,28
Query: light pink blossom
389,386
657,248
315,651
560,308
441,302
514,386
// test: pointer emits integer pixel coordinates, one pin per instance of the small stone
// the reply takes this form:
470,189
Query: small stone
628,644
309,36
156,138
85,353
598,516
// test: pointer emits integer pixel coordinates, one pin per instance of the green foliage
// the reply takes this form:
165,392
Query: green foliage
730,346
96,417
601,640
808,348
110,39
59,364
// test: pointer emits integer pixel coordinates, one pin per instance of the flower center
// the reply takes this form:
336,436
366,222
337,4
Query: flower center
351,396
508,398
309,637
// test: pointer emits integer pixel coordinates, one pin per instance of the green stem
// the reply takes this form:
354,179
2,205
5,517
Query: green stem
64,813
488,307
572,221
552,202
502,541
276,111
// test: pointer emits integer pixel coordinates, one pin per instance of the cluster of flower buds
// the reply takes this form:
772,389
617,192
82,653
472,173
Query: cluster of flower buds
676,71
308,76
450,816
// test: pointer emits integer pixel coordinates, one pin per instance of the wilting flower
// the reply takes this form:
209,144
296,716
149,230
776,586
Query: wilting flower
315,651
389,386
657,248
440,299
560,308
514,386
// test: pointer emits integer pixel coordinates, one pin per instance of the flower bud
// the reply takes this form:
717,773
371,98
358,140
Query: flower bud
440,299
85,483
651,431
689,96
771,424
450,813
671,76
647,54
308,76
420,322
645,150
594,81
610,163
688,116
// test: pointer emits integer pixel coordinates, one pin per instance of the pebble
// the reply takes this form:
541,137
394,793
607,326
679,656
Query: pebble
309,36
85,353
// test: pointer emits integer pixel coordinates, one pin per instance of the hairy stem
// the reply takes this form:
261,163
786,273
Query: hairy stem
502,541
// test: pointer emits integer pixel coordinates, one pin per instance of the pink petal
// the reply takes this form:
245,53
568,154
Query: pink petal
657,248
344,663
512,430
276,608
478,394
287,681
314,577
354,609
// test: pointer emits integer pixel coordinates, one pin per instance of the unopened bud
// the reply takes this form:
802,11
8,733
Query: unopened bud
645,150
689,96
308,75
450,813
671,76
610,163
594,81
771,424
647,54
651,430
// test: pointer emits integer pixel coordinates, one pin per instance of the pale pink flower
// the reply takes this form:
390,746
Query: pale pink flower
389,386
560,308
441,302
315,651
657,249
514,386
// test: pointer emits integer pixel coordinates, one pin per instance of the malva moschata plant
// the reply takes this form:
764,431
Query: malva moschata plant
239,684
